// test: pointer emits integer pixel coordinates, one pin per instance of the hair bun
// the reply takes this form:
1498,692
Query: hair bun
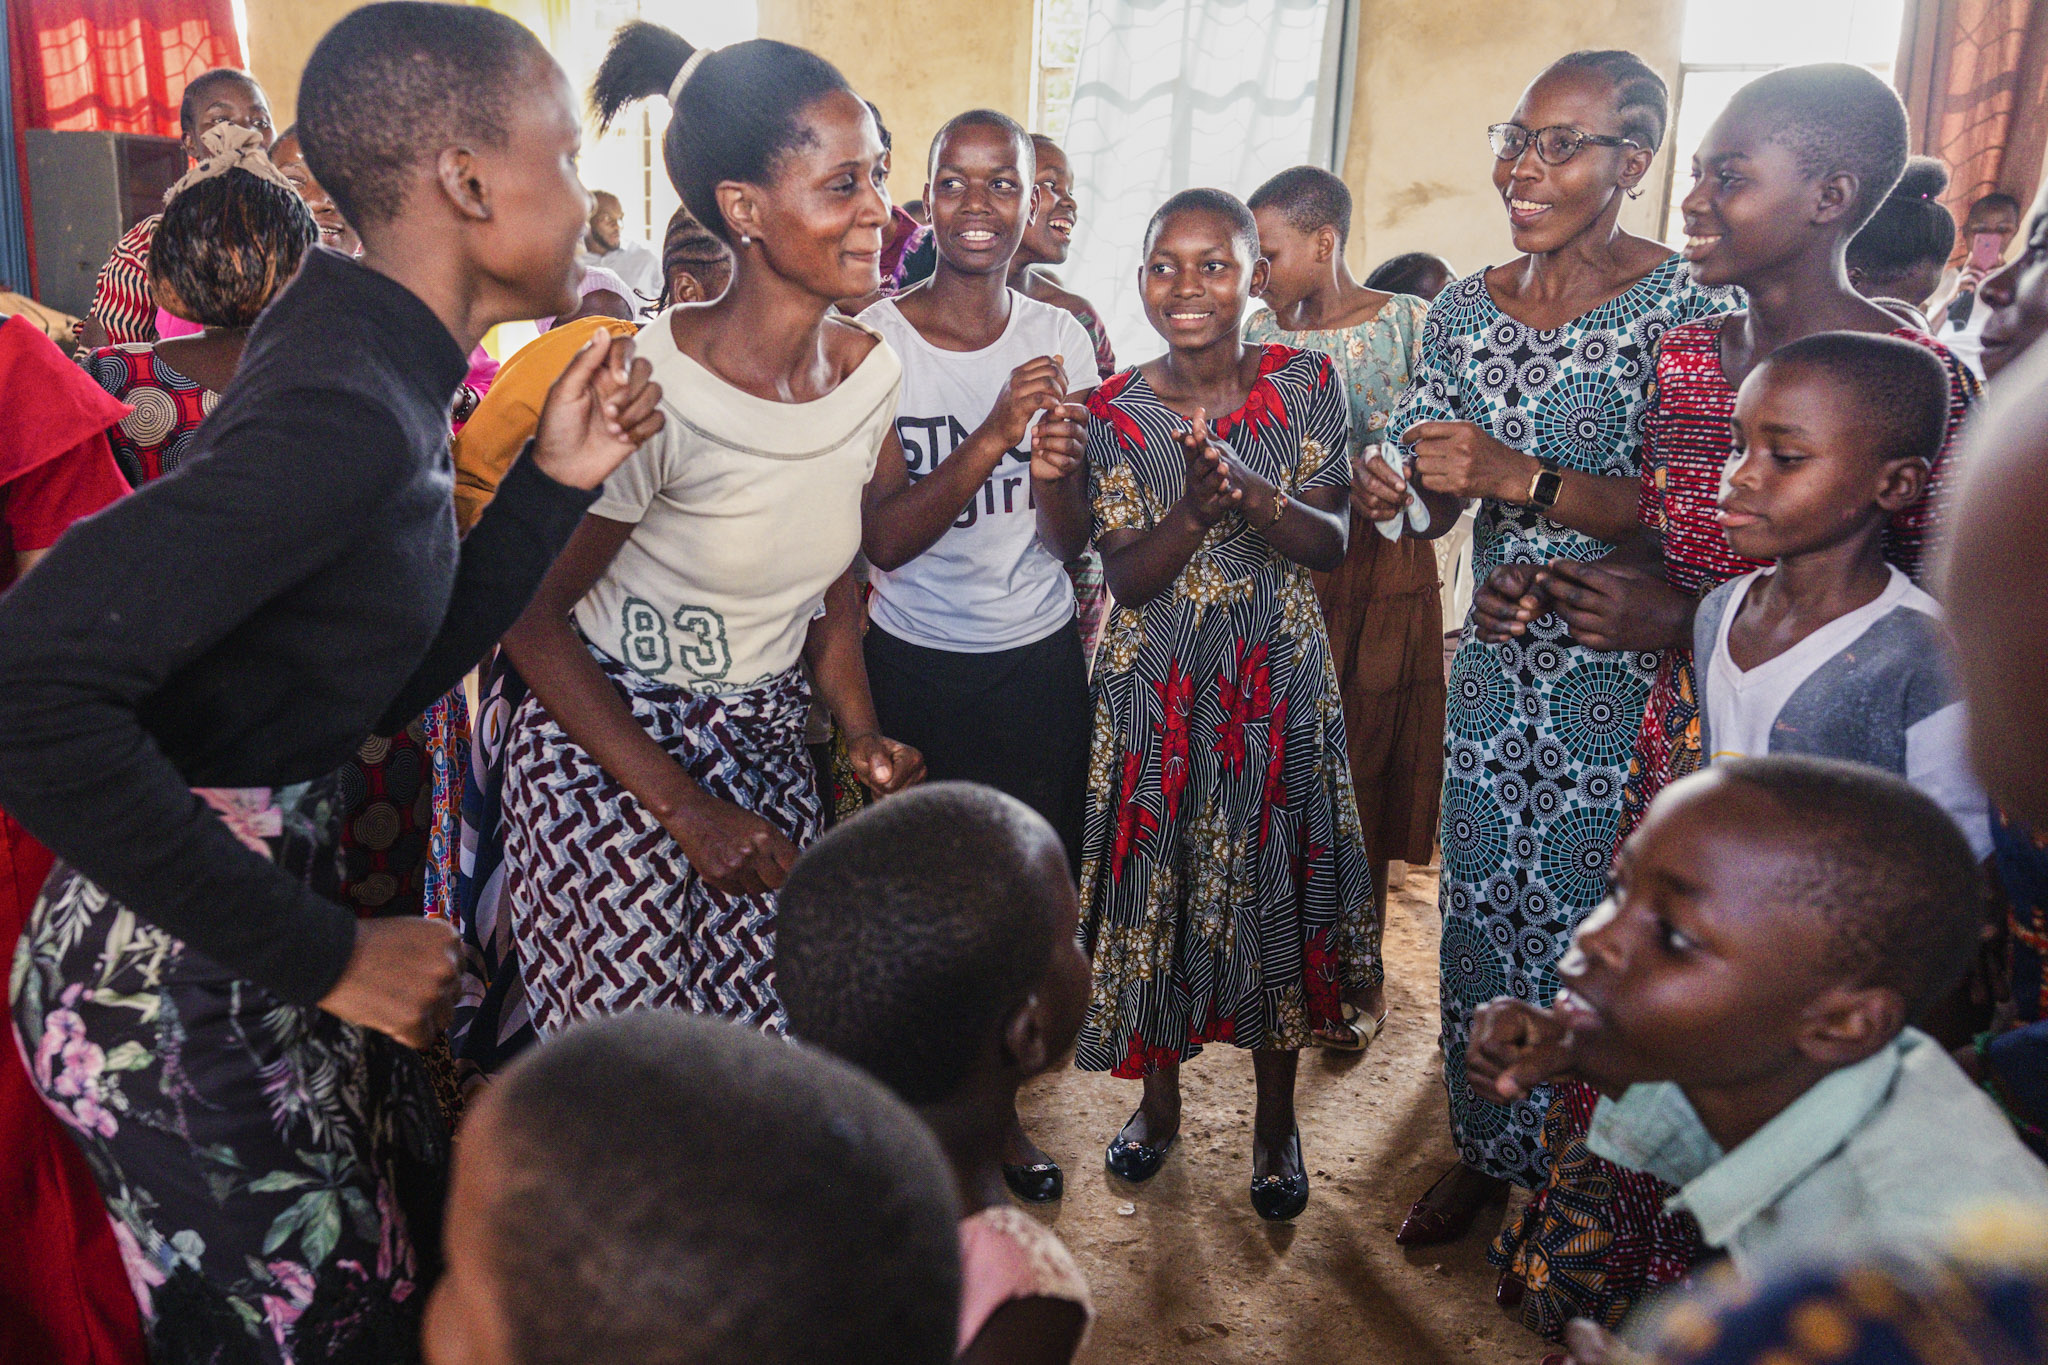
1925,177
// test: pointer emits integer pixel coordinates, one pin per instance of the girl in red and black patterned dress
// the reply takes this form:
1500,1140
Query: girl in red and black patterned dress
1596,1239
1224,890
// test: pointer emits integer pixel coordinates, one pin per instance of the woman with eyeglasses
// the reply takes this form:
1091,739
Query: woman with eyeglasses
1781,185
1530,398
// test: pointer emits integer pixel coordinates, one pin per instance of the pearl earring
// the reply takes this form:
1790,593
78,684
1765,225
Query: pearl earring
746,240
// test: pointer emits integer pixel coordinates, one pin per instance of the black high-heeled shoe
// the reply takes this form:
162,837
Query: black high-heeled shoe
1036,1184
1277,1198
1136,1162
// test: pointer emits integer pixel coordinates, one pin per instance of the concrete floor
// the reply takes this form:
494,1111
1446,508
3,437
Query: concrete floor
1183,1271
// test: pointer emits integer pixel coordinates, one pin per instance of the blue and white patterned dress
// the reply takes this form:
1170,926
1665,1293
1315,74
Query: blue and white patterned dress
1538,731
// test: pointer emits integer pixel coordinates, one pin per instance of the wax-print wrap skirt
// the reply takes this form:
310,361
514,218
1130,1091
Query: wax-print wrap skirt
606,912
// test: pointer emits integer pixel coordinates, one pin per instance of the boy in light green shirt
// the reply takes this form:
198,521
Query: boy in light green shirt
1741,1002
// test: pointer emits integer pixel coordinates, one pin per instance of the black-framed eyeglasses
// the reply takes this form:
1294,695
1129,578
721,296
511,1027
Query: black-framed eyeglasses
1556,144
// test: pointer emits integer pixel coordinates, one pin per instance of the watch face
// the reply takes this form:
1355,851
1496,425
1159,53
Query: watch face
1548,485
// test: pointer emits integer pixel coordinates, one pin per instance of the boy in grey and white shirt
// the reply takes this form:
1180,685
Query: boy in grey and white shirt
1832,652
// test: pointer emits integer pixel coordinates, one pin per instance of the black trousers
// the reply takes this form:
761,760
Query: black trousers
1016,720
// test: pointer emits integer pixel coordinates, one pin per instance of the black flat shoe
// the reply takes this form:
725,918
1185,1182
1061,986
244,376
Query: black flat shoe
1135,1161
1039,1184
1277,1198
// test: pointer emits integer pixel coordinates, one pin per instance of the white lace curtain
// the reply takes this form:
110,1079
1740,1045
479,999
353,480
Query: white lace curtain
1171,94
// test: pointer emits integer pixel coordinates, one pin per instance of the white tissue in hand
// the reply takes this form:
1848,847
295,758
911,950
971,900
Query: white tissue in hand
1414,512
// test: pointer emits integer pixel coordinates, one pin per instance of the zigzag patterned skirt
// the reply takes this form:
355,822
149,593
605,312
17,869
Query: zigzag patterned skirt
607,913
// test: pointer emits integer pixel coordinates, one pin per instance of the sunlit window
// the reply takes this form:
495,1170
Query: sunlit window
627,160
1729,43
1058,27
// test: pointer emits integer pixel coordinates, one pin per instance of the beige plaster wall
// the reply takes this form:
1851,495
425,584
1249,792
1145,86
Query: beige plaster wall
1432,74
920,61
281,36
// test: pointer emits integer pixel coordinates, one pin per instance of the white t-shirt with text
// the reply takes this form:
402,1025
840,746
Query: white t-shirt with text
989,583
744,511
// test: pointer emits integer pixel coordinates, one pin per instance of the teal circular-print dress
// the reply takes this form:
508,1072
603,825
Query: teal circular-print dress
1538,731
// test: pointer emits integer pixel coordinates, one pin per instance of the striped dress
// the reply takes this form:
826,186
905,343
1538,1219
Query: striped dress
1224,889
121,301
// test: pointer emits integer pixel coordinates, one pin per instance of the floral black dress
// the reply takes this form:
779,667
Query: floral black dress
1224,889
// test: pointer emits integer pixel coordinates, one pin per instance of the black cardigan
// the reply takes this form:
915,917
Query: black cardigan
246,620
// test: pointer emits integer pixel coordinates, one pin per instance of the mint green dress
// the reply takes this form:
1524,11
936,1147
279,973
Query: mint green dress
1382,606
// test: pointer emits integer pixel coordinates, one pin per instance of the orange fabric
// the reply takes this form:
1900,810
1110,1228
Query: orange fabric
494,434
1974,75
117,65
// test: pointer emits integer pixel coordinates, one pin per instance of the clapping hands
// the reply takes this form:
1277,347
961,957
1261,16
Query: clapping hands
1211,492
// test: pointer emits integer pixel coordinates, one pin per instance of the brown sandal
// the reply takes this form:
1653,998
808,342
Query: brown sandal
1427,1226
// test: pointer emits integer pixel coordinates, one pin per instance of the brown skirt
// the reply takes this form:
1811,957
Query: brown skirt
1384,612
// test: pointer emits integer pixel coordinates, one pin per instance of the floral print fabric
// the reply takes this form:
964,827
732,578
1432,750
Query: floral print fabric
1224,889
1539,730
273,1175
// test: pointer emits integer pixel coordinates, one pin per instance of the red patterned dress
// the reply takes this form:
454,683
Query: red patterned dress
1595,1239
168,407
121,301
1224,890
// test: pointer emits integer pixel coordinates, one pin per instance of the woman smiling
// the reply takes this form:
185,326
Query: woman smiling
664,733
1530,397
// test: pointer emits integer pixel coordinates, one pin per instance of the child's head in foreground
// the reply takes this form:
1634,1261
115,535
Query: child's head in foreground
660,1187
1202,267
1770,919
1834,433
930,941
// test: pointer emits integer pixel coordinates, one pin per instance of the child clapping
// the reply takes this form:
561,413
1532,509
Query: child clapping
1741,1002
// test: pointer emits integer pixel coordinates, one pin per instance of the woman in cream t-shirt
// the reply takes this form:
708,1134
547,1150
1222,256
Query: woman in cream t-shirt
656,786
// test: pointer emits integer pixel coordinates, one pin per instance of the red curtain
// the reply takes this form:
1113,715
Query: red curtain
115,65
1974,75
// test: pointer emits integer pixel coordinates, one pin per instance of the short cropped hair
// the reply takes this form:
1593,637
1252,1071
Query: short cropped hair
1641,100
188,103
1308,197
226,245
1900,390
736,117
1833,117
1912,227
907,936
1997,199
682,1189
392,84
1405,273
1244,228
986,118
1883,865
